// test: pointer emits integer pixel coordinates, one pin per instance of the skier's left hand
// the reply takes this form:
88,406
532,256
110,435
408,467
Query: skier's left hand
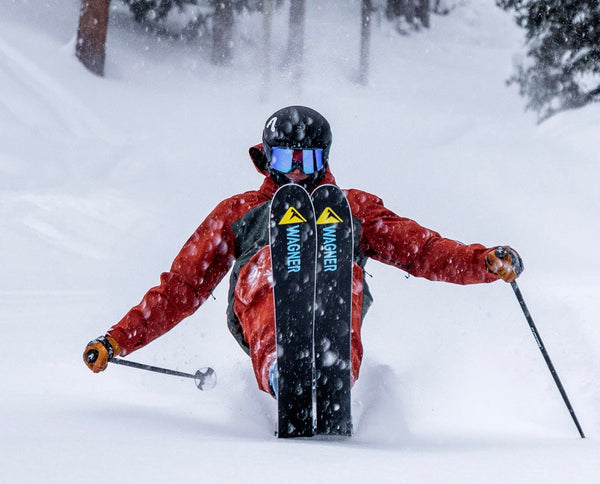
505,262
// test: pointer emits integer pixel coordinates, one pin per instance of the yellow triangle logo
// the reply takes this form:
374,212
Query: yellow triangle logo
329,217
292,216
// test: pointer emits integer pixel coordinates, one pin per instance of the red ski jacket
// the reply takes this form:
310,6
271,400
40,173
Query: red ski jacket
236,234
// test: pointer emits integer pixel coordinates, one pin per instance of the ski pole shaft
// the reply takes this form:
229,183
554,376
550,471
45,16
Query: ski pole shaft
205,378
156,369
542,348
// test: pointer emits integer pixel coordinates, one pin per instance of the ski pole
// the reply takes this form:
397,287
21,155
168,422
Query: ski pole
542,348
204,378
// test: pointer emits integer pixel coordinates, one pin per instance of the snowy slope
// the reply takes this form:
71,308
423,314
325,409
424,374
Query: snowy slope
102,180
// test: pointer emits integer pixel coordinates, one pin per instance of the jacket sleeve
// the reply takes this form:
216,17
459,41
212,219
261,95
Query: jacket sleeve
198,268
403,243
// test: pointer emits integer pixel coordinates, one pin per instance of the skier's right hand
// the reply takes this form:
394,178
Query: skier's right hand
505,262
99,351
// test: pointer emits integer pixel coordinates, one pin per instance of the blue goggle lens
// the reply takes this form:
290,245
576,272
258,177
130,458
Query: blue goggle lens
309,161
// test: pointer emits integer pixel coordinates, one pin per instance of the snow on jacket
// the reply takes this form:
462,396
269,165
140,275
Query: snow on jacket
235,234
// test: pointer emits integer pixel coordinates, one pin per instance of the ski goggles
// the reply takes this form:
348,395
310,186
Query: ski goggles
285,160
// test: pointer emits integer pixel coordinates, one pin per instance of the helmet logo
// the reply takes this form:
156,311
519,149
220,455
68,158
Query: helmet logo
271,123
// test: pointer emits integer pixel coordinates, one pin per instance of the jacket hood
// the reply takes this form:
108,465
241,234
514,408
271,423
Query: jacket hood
259,159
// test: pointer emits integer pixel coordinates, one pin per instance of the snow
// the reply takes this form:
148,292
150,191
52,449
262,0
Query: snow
103,180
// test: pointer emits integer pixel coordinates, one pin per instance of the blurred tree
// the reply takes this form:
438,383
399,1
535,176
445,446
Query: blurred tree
155,9
563,68
153,12
91,34
267,27
216,18
365,40
414,12
222,28
296,36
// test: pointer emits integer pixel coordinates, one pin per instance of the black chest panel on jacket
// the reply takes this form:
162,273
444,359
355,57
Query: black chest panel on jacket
251,235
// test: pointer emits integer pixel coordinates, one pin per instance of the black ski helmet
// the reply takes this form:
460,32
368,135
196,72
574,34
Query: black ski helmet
297,128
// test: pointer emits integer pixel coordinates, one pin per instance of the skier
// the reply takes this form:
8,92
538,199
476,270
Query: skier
295,149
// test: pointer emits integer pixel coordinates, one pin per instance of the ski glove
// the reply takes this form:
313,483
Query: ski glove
99,351
505,262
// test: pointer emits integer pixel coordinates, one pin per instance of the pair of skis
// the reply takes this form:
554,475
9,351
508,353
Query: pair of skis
311,241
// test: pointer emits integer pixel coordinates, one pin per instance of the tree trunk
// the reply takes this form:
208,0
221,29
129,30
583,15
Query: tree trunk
267,28
365,40
409,9
296,35
394,9
222,33
91,34
422,11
